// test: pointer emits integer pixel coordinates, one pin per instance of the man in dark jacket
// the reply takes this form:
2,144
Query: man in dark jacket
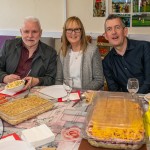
28,54
127,59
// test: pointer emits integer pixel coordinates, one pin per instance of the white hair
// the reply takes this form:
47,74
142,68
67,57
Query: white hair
33,19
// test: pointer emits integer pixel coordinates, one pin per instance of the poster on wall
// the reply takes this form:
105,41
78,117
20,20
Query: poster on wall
121,6
125,18
137,16
141,6
99,8
141,20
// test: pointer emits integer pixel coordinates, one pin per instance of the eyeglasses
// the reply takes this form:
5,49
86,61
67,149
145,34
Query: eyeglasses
76,30
116,28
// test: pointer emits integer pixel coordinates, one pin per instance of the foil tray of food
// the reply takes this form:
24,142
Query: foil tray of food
115,121
18,110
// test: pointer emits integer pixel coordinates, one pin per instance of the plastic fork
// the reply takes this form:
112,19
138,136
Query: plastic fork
26,75
29,89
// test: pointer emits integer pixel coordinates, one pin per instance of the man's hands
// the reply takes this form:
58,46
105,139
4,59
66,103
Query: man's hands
11,78
31,81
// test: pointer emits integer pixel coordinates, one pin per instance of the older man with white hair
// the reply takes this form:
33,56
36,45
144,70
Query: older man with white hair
28,54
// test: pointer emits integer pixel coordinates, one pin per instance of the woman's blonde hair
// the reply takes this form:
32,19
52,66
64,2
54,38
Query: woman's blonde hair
65,42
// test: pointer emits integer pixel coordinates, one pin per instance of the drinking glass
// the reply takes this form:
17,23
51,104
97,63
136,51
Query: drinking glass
133,86
68,84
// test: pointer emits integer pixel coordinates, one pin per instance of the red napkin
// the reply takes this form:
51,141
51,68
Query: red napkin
60,99
16,137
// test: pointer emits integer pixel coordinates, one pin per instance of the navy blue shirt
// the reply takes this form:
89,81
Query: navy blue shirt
135,63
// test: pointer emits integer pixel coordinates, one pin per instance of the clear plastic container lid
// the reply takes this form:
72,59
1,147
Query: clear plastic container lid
115,116
18,110
116,111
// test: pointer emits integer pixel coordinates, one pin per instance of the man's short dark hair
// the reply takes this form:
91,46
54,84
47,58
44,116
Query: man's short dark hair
113,16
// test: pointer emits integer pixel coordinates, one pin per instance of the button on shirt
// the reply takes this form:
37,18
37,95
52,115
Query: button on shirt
25,63
135,63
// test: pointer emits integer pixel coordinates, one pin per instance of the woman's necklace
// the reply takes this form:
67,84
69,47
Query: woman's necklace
77,55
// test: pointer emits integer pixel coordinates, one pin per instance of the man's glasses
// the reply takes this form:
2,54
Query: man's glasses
76,30
116,28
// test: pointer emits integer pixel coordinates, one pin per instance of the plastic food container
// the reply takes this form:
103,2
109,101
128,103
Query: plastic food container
19,110
15,86
115,121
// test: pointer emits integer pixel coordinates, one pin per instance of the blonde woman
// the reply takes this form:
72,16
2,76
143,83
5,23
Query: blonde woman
79,59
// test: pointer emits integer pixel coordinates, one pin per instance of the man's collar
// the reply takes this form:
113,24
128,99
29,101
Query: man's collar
130,46
39,48
40,51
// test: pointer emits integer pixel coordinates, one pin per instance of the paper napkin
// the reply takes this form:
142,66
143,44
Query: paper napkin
38,136
11,136
6,92
10,93
15,145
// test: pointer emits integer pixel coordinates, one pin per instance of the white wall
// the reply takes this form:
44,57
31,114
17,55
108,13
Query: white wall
52,16
84,10
12,13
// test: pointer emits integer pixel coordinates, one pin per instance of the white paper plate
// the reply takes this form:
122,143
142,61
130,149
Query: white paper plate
147,97
15,145
54,91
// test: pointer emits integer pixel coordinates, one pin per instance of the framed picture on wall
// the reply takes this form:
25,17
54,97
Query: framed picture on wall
121,6
141,20
141,6
126,19
99,8
137,16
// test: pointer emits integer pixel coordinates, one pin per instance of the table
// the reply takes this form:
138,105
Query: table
61,119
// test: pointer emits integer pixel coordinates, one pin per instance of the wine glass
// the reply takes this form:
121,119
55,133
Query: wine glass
133,85
68,84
